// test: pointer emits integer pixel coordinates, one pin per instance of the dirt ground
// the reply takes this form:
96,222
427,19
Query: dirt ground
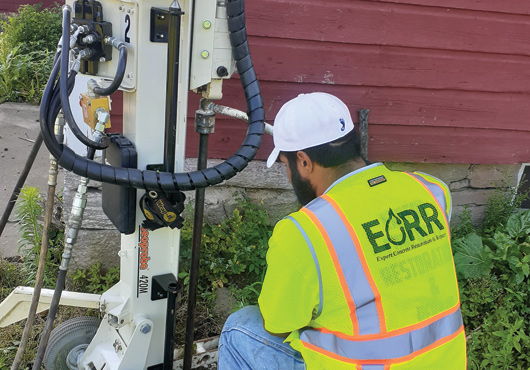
19,126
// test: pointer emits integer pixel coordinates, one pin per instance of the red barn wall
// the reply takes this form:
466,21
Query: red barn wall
11,6
444,84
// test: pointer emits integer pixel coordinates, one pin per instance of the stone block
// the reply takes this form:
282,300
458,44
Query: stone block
95,246
93,216
461,184
255,175
477,215
446,172
471,196
278,204
219,202
490,176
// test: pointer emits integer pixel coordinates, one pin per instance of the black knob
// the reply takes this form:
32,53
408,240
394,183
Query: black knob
222,71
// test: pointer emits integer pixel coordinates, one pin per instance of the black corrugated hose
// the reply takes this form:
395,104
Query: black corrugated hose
171,182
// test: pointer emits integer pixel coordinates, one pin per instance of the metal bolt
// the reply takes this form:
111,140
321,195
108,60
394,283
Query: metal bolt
117,346
160,295
90,39
145,328
102,60
207,24
205,54
121,7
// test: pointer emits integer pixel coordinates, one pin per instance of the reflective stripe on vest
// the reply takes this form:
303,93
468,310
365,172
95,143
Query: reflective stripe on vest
392,347
436,191
317,265
349,265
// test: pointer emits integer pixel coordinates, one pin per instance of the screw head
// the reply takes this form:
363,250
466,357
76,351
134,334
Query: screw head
205,54
206,24
102,60
145,328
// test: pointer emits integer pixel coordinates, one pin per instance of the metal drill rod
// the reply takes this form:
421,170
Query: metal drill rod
195,254
173,55
20,183
45,242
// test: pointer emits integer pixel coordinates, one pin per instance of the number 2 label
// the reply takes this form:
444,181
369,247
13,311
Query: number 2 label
127,28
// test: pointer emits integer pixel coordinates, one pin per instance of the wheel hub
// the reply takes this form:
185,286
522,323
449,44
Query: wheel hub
74,356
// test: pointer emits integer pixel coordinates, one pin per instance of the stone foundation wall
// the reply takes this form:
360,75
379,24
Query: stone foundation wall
99,241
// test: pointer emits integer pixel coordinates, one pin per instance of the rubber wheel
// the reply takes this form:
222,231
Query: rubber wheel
74,334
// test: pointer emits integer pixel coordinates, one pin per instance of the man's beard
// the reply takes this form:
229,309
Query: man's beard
302,188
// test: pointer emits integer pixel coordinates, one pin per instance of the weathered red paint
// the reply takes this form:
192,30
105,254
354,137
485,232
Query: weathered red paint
445,81
11,6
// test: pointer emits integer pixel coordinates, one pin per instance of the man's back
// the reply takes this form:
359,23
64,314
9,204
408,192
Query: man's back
381,289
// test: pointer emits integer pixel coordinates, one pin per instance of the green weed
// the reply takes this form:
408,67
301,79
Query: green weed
27,46
494,285
232,252
94,279
29,212
504,201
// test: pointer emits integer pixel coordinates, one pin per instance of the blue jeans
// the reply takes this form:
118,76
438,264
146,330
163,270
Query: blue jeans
245,344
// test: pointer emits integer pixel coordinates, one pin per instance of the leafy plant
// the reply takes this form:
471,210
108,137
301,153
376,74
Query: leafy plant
27,46
494,284
94,279
29,211
504,201
10,276
472,258
465,225
247,295
232,252
34,28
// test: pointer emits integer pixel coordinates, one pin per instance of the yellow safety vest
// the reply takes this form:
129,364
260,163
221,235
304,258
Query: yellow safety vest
388,290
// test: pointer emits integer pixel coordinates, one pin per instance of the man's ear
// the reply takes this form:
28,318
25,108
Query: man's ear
305,165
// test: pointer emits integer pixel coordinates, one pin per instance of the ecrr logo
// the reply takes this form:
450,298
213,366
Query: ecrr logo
401,227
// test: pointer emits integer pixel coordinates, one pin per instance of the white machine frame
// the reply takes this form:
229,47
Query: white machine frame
131,334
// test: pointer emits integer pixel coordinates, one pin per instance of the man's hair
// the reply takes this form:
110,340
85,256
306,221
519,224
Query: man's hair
332,154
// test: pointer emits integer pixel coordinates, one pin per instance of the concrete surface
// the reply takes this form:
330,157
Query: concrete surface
19,125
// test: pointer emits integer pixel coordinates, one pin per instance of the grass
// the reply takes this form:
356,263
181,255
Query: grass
11,276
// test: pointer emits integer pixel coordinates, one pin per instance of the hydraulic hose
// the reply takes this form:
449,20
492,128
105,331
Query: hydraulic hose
54,305
47,95
63,80
45,241
171,182
74,224
120,71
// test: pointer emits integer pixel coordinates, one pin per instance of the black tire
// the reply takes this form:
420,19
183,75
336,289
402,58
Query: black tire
65,337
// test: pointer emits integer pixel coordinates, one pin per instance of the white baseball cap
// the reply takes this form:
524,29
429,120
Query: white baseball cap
307,121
